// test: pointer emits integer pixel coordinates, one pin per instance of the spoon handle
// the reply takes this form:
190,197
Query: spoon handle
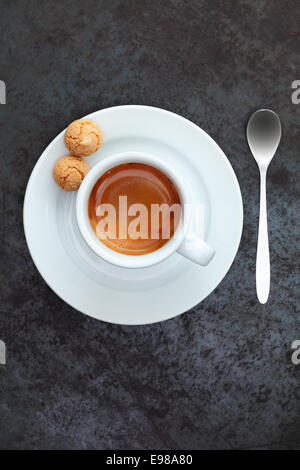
263,256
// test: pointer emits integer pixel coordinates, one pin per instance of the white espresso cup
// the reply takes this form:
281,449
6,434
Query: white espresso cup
184,241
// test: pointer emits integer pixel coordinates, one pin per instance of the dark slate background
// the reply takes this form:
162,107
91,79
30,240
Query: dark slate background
219,376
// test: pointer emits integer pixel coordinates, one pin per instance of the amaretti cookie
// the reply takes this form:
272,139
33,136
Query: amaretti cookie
69,171
83,137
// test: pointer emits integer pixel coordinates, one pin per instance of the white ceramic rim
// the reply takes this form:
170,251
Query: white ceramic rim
119,259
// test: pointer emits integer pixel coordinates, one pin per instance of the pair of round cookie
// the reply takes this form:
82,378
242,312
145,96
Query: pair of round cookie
82,139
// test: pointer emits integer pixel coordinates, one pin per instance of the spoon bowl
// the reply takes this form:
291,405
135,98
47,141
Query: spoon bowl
264,134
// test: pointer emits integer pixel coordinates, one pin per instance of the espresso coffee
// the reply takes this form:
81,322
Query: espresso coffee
134,208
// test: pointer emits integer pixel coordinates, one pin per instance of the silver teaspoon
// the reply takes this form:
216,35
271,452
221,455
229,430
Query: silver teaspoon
263,134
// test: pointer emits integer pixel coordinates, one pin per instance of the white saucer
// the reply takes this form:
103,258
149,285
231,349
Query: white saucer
137,296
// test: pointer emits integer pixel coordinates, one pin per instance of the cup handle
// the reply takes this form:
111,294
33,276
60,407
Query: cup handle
196,249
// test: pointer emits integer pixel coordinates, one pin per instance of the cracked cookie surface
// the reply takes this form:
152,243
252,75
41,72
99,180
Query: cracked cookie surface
83,137
69,171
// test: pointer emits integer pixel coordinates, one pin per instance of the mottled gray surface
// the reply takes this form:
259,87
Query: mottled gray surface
219,376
